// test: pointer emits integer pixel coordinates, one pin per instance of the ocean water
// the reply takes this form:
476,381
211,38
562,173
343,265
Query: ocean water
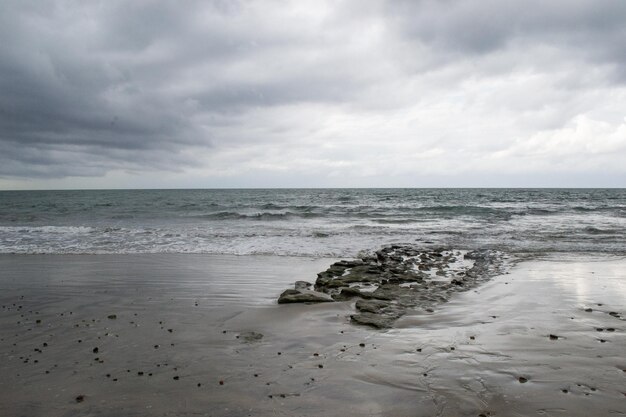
311,222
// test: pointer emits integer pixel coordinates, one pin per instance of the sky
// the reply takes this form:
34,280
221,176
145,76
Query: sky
362,93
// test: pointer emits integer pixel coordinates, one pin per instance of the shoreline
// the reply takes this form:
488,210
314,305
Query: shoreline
363,371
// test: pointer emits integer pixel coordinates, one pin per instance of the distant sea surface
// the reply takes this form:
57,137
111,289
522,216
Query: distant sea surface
311,222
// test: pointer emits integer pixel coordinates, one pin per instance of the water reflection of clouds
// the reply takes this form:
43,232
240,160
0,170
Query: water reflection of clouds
589,279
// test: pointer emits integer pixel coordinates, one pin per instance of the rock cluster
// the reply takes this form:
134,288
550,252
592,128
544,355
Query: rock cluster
396,279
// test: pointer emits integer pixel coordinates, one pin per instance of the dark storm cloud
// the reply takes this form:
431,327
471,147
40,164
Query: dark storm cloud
587,27
67,107
90,87
104,76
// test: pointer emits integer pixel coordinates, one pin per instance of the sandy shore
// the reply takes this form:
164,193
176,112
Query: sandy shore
178,335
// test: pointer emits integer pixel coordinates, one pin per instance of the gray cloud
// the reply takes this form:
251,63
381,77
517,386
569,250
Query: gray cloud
229,88
477,27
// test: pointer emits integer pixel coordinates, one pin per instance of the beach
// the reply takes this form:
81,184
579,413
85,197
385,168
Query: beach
185,334
312,209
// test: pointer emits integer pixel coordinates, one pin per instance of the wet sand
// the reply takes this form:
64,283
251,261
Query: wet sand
178,335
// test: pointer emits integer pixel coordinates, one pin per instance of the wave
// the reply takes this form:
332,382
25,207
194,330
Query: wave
598,231
47,229
539,211
309,222
265,216
396,221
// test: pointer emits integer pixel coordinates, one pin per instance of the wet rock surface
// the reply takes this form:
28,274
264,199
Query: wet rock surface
303,296
397,279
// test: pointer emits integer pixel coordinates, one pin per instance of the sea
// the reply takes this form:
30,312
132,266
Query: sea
311,222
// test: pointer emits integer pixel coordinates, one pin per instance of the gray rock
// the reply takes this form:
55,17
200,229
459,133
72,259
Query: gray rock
303,296
347,293
250,337
398,279
373,320
302,285
371,306
349,264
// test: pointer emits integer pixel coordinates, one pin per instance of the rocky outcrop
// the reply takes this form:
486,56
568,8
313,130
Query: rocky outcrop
302,294
397,279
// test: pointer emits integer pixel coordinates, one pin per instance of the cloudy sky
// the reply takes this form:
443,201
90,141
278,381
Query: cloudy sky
125,94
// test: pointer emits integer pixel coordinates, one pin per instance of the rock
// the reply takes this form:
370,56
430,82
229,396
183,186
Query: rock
250,337
349,264
373,320
389,292
305,296
112,316
397,279
347,293
371,306
302,285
